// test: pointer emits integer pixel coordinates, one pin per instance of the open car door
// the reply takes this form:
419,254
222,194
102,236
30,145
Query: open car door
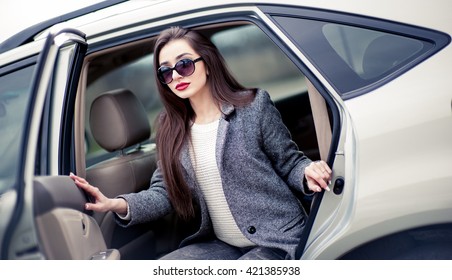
330,211
43,213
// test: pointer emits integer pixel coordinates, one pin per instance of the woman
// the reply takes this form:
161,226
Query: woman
224,156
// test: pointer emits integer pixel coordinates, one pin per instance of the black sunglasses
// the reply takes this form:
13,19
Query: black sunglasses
185,67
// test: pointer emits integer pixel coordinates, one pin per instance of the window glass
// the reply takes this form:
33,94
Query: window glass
350,57
369,53
257,62
14,100
138,77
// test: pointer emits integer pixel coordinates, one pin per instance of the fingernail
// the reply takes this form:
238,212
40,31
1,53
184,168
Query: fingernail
329,182
327,188
71,174
319,189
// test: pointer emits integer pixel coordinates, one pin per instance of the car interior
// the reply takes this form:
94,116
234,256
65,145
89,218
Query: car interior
116,107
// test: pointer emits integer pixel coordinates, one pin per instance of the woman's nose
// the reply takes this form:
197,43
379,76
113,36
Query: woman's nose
176,75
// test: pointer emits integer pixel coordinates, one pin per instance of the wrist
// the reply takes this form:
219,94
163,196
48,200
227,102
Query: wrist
119,206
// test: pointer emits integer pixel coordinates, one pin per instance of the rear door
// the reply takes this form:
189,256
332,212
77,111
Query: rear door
37,116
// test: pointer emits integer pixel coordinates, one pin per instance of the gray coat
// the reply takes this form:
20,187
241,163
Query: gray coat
259,166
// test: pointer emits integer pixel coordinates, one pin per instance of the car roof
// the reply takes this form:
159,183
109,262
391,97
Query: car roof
29,33
91,18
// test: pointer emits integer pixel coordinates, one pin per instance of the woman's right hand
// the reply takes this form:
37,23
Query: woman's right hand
101,202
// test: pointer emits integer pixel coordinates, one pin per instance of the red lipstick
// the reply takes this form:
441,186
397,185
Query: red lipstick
182,86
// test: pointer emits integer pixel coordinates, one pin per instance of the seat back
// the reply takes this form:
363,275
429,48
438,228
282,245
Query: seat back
119,124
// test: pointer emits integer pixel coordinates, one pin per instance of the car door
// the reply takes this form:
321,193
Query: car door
42,213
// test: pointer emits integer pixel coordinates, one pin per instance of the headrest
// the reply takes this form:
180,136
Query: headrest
118,120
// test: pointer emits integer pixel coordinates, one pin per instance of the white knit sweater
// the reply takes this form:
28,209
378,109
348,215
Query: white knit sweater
202,153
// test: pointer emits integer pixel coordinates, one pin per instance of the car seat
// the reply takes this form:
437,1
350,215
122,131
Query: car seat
119,124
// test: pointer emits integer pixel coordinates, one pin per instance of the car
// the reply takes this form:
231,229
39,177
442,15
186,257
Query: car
363,85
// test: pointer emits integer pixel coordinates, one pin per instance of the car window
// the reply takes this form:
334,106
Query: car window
137,76
14,100
369,53
252,57
350,57
257,62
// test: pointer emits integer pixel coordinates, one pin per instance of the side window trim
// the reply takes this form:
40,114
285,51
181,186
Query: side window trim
15,66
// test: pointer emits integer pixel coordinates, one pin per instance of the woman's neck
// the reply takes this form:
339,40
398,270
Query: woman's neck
205,108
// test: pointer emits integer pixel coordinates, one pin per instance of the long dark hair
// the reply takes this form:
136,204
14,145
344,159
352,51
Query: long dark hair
173,127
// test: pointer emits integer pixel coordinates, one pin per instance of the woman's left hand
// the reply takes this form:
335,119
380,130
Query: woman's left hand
318,176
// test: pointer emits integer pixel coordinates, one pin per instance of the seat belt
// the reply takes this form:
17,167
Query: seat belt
321,120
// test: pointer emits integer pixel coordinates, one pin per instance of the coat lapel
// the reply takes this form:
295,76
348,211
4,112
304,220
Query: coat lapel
223,125
186,162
